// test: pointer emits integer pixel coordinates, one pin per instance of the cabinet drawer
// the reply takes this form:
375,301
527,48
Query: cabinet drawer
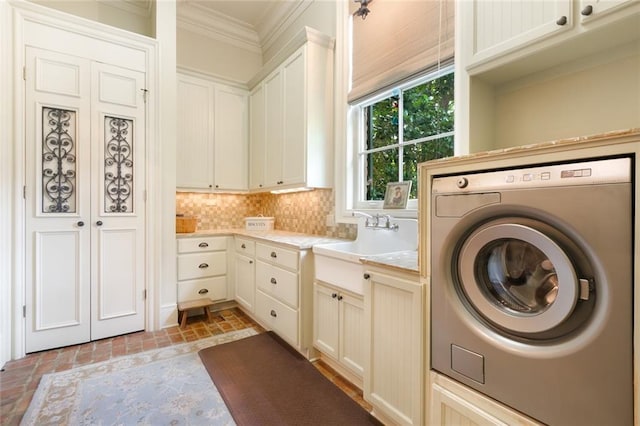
277,282
201,265
246,247
278,256
194,245
278,317
214,288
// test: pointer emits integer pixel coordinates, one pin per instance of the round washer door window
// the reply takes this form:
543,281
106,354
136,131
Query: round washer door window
517,278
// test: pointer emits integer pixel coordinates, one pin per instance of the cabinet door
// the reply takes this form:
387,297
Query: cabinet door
273,130
352,338
257,138
393,382
231,156
295,120
194,150
325,320
503,26
594,9
245,282
455,404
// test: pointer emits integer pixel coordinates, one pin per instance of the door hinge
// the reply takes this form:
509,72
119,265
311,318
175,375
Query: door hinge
144,195
144,294
145,92
24,192
24,73
24,311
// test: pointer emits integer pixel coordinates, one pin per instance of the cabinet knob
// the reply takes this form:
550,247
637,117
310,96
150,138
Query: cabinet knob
243,246
339,297
334,295
250,262
273,281
367,276
588,10
203,291
99,223
203,245
562,21
203,265
217,186
210,186
80,224
274,254
273,313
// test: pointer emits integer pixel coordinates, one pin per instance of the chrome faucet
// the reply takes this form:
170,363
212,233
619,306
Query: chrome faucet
370,220
388,224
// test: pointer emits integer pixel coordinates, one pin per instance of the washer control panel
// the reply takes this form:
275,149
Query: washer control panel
615,170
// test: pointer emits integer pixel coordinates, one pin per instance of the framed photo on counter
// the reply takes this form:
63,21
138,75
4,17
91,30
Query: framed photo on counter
396,195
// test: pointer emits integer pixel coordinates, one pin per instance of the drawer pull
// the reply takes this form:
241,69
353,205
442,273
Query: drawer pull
203,245
203,265
273,254
273,313
203,291
273,281
588,10
562,21
243,246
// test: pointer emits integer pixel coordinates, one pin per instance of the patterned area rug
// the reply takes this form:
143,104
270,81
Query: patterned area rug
167,386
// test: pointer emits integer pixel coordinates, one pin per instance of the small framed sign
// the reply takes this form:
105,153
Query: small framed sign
396,195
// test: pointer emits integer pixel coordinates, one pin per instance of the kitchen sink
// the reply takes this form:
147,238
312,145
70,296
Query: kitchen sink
339,264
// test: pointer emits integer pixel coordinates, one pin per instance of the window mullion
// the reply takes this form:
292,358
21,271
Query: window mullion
400,136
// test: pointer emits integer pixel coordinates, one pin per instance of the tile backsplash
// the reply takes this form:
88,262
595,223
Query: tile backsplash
304,212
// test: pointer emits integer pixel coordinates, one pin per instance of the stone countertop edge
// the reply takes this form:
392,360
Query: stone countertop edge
402,261
292,239
405,261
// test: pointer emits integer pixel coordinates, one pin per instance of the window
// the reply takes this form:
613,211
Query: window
400,129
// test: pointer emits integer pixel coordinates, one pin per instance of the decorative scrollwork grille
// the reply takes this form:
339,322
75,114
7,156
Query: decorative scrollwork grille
118,165
58,160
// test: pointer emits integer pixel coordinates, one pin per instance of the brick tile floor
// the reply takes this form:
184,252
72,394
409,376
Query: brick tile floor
19,379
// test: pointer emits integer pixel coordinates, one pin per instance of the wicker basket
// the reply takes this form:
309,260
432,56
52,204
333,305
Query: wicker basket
186,225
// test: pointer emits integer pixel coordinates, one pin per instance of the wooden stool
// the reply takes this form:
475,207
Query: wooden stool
185,307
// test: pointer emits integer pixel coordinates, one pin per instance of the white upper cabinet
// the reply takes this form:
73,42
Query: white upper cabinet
231,144
257,138
504,31
212,151
297,94
194,147
503,26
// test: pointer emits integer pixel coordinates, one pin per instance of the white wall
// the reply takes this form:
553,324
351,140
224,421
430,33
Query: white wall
591,96
101,11
216,58
6,179
320,15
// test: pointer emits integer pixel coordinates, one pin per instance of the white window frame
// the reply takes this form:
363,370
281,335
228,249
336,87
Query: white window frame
356,139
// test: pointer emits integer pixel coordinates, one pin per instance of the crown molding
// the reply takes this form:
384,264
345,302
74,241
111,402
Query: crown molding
217,26
278,18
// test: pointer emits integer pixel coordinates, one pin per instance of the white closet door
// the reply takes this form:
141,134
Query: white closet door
118,207
57,197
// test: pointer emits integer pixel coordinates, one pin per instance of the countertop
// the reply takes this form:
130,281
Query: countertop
292,239
406,261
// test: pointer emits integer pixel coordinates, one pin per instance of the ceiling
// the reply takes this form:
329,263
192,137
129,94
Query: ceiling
252,24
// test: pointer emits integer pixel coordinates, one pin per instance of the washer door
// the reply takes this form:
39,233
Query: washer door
517,277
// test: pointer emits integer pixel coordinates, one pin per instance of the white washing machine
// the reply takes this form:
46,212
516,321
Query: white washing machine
532,288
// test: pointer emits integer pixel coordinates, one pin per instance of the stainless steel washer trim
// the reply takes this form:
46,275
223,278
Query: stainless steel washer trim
567,296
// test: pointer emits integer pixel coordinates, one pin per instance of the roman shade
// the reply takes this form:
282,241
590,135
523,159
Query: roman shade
397,40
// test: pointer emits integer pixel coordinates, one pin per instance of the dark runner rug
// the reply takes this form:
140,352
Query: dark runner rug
264,381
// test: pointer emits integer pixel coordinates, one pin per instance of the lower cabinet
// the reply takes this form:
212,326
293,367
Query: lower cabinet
338,330
394,367
202,268
454,404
